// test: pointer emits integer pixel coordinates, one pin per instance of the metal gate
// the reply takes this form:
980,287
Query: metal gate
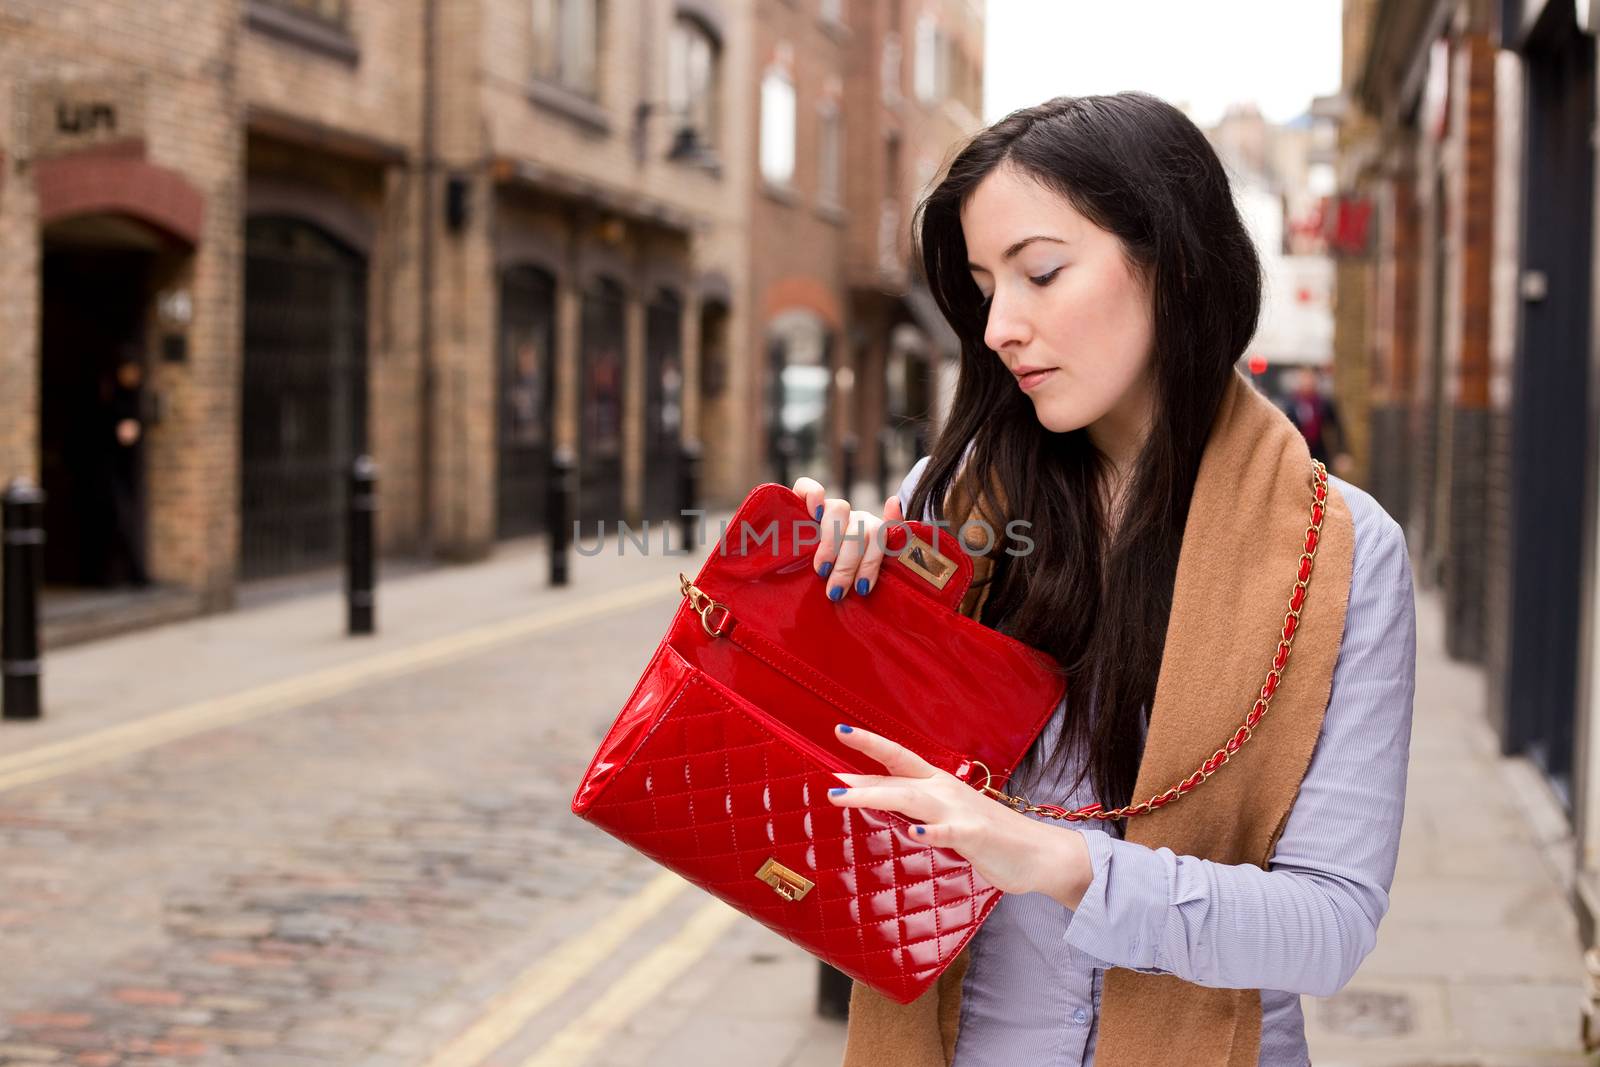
663,412
304,404
526,425
600,442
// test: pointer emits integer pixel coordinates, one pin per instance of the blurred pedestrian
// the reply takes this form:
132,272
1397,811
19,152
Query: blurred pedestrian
124,403
1316,416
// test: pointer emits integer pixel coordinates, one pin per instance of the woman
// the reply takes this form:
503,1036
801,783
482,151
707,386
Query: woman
1090,258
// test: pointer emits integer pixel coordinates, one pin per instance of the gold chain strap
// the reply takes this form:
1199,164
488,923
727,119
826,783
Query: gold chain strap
1291,621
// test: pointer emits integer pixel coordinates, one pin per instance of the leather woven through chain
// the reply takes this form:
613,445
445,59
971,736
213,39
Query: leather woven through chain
1297,599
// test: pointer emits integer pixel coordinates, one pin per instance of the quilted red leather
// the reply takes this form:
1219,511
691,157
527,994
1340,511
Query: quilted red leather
721,759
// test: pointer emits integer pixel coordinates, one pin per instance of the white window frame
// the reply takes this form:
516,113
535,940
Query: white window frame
566,45
830,154
925,73
778,117
694,66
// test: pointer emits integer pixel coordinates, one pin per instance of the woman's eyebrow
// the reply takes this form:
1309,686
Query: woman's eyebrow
1019,246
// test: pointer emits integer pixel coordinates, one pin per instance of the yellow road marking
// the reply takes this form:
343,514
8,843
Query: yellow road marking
78,753
555,973
642,983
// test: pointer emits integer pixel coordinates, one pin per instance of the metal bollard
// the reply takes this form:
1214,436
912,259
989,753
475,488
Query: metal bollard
786,449
847,465
20,664
561,501
833,992
360,567
885,440
689,471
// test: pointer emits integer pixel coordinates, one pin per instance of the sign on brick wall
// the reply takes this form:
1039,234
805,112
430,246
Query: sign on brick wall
71,116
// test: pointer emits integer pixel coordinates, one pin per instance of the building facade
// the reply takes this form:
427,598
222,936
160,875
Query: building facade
465,239
1468,141
861,105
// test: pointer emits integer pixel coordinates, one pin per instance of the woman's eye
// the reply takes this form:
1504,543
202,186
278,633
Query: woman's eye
1045,279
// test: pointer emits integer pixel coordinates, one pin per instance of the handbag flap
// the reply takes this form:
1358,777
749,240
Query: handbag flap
901,656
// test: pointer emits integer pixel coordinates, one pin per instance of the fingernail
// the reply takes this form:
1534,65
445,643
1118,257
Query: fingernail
839,792
862,585
843,729
836,592
922,829
819,512
826,569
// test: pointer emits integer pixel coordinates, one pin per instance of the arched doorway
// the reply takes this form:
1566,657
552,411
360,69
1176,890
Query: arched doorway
909,398
799,395
600,404
97,278
304,393
526,410
663,411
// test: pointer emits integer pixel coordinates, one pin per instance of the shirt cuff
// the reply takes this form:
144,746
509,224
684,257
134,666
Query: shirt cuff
1122,915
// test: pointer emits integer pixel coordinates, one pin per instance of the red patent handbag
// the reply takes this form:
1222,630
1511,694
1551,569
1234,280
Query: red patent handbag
719,764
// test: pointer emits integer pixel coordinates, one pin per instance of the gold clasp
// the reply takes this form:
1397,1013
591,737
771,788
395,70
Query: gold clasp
700,602
787,884
925,561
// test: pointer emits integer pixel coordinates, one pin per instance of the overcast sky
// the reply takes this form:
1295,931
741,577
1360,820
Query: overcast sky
1202,54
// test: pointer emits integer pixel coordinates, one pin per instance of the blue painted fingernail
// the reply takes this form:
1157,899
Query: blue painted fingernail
841,791
819,512
922,829
826,569
836,592
843,729
862,585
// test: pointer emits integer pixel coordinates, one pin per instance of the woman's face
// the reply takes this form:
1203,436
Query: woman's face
1066,315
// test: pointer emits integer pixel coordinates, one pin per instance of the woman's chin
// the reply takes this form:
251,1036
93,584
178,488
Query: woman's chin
1058,417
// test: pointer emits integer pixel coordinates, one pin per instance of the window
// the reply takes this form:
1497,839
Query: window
891,68
833,10
566,43
337,11
926,73
777,127
828,151
693,79
889,236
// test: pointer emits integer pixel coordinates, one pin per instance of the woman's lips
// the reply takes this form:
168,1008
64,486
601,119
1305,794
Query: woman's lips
1033,379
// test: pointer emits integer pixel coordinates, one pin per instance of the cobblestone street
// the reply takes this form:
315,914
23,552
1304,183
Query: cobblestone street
250,840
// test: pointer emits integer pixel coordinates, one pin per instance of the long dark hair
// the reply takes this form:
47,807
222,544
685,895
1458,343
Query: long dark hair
1096,599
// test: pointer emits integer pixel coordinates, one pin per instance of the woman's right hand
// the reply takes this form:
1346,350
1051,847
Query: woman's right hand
850,552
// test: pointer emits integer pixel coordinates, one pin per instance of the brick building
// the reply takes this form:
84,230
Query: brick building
119,187
222,195
860,105
1469,139
458,237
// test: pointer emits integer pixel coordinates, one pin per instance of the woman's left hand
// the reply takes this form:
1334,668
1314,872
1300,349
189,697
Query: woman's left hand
1012,852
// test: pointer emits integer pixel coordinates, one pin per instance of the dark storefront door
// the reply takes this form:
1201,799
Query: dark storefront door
304,415
600,407
663,412
526,425
1550,394
799,393
91,386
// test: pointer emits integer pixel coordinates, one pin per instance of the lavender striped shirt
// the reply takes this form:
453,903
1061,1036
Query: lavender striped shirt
1032,993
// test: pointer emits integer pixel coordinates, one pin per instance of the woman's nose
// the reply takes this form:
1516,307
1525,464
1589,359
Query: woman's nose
1004,326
